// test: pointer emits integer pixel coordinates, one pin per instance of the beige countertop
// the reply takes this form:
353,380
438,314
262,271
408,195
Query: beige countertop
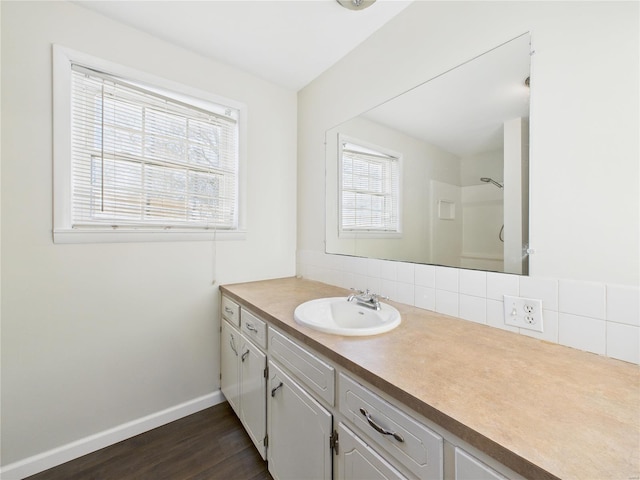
541,409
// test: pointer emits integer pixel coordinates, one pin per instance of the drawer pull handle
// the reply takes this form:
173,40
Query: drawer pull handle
232,342
228,310
274,390
251,328
244,355
378,428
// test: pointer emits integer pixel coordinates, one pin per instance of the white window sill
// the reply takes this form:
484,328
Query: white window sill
133,235
368,234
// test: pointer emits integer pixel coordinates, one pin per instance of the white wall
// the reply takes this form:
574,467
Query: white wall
584,169
584,119
97,335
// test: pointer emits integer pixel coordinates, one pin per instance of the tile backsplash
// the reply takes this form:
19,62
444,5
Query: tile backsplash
596,317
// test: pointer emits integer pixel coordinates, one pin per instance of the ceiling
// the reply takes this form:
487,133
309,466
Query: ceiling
287,42
463,110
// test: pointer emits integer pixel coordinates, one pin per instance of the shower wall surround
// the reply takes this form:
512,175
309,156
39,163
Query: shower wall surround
595,317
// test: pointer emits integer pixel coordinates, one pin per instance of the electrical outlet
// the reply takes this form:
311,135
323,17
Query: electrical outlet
523,312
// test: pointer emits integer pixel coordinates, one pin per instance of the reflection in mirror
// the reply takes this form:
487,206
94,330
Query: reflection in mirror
460,146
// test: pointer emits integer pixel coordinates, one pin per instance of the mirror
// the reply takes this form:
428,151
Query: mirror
439,174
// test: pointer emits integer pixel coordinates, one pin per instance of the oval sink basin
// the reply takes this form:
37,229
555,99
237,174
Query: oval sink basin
338,316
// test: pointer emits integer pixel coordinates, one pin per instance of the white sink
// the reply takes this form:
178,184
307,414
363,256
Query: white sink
338,316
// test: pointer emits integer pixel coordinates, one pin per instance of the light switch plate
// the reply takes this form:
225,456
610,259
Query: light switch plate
523,312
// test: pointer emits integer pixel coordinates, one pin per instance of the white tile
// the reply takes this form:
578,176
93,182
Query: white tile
374,267
582,298
495,316
406,272
315,258
549,327
425,276
500,284
374,284
360,266
350,264
387,289
473,282
425,297
333,262
359,282
405,293
447,279
545,289
473,308
447,302
623,304
584,333
342,279
623,342
388,270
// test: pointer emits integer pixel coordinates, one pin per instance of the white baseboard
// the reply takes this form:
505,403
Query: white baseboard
57,456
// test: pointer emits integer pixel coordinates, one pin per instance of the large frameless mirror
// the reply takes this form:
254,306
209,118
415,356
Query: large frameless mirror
439,174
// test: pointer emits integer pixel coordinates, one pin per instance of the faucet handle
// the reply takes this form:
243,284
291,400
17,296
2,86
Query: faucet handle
375,296
357,290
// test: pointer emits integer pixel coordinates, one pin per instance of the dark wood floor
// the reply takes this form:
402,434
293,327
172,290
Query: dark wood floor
210,444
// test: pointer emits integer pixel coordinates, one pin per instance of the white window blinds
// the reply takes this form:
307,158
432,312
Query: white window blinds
370,184
143,159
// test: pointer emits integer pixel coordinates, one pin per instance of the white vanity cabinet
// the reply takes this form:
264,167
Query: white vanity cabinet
229,365
311,418
243,371
253,407
299,431
358,461
470,468
397,436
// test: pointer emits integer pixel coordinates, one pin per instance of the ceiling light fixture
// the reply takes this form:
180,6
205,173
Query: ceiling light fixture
355,4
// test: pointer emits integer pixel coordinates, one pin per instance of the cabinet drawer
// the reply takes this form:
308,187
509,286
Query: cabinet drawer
414,445
254,328
231,311
309,369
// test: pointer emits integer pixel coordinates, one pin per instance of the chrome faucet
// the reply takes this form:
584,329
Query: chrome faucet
366,298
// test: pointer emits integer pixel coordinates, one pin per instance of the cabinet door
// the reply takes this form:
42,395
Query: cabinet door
470,468
299,431
253,385
357,461
230,374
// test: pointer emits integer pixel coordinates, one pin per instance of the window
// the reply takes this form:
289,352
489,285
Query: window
369,189
139,158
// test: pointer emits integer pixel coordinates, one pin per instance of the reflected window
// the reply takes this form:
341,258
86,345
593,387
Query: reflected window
369,189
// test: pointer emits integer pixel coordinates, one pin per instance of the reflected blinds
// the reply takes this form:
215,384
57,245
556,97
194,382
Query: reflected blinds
143,159
370,190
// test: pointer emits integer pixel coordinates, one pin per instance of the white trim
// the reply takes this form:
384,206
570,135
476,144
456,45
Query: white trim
62,59
59,455
122,235
369,234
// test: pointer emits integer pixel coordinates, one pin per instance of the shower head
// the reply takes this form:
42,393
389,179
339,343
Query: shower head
491,180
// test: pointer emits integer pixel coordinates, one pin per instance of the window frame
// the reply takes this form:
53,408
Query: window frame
371,233
63,232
